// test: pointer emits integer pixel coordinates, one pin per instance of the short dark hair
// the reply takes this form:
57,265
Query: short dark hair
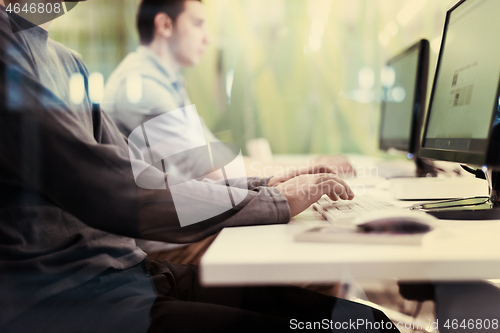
148,9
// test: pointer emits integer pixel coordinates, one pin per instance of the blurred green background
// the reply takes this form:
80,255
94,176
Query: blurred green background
304,74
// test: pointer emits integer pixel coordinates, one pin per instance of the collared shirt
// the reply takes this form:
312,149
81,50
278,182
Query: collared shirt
141,89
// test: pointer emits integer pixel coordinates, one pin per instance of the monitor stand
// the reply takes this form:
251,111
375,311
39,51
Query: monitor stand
425,167
475,208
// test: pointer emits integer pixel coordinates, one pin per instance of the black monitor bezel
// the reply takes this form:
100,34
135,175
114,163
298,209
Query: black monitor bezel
419,99
487,157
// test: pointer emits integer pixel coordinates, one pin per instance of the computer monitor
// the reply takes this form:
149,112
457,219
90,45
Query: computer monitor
463,116
403,99
403,103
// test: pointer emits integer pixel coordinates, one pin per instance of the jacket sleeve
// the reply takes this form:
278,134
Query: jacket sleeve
250,183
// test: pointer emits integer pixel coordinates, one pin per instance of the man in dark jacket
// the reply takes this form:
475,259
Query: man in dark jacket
69,204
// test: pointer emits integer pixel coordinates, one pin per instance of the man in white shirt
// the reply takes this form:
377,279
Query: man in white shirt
148,87
148,82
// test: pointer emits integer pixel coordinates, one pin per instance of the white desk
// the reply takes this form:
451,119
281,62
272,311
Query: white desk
455,250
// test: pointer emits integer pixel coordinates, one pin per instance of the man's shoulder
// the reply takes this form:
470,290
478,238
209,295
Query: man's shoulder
64,50
137,64
67,55
140,63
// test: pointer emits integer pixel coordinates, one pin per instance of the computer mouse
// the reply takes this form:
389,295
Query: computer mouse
396,222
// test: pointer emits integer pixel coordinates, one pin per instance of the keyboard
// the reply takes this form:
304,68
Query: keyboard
344,212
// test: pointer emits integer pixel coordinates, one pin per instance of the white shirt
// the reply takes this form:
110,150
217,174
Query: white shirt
142,74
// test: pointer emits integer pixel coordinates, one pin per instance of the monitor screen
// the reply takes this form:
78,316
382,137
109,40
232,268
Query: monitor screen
465,92
403,99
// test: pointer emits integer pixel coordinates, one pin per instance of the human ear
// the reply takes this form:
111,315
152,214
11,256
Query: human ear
164,25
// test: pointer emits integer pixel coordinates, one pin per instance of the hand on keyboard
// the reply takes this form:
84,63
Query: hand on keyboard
304,190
